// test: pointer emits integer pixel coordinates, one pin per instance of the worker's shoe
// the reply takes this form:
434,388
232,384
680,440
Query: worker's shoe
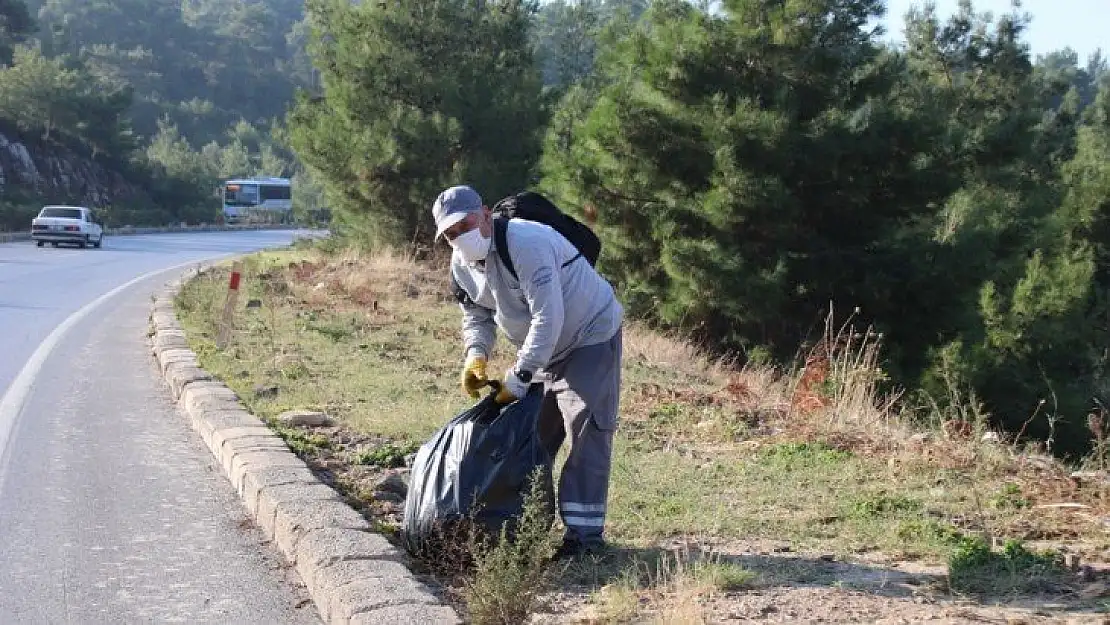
574,548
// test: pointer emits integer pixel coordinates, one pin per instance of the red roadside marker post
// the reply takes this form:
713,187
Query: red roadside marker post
229,305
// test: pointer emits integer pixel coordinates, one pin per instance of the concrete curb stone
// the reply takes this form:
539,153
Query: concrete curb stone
181,374
175,357
354,575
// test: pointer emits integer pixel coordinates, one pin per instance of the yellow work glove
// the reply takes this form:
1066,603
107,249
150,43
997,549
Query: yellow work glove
473,375
512,389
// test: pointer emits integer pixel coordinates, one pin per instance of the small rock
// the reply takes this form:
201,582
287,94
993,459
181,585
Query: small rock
311,418
388,497
265,390
254,303
1086,573
782,549
991,437
827,557
1039,461
393,483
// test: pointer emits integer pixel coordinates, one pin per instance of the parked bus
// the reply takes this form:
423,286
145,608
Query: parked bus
258,199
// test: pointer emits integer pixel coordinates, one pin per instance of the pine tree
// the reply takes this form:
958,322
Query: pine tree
1018,287
763,157
16,24
1087,180
417,95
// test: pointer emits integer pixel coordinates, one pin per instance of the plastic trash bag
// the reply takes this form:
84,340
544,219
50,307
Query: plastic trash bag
474,474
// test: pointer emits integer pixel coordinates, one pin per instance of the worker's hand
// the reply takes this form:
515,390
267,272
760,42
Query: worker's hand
512,389
473,375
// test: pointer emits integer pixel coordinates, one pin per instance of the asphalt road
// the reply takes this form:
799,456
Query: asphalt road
112,510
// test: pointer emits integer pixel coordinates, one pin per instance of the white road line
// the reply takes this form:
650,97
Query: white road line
12,403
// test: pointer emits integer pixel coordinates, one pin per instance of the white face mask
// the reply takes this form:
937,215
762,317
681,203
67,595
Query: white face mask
472,246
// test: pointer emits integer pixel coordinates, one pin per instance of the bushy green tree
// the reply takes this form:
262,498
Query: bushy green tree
65,104
1087,180
566,39
16,24
416,96
761,156
182,177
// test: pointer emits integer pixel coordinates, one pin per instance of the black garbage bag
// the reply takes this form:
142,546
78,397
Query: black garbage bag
472,477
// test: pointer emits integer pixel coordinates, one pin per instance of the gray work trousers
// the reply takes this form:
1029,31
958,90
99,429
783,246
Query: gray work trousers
582,396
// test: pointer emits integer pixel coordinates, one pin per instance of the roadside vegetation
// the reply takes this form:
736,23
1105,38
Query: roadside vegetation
753,490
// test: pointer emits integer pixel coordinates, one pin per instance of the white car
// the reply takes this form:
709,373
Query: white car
67,224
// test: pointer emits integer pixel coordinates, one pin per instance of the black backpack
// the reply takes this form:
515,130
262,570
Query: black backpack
535,207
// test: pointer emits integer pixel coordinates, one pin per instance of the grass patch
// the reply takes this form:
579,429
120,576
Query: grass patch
388,456
975,568
813,457
789,456
1009,497
881,505
301,442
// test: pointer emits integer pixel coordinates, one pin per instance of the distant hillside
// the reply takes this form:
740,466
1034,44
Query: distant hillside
204,64
139,108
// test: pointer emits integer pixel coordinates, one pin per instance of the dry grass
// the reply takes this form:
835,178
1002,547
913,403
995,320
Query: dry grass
683,585
814,456
673,587
662,351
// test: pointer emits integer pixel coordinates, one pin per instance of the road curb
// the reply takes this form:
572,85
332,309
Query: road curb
354,575
12,237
